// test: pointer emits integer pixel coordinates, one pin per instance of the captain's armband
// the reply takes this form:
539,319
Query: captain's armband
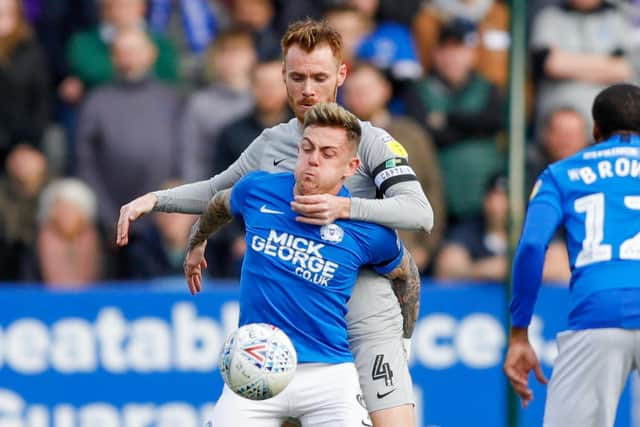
391,172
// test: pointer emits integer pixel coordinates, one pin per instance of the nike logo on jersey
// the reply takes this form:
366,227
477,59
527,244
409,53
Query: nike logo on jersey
265,209
277,162
381,395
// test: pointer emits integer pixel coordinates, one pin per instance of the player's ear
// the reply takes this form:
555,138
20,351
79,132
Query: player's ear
352,167
597,135
342,73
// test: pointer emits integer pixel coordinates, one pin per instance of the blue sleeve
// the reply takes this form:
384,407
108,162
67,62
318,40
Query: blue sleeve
543,217
386,250
241,190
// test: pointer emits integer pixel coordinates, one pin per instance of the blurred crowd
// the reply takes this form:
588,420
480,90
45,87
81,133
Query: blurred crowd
104,100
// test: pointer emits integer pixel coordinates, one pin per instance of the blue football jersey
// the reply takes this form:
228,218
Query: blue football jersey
299,277
596,197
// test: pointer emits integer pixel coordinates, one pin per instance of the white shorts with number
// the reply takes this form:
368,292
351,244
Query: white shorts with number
589,375
319,395
384,373
374,323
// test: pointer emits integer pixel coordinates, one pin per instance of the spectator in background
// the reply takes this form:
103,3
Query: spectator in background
69,249
352,24
19,191
402,12
270,109
288,11
55,22
229,61
632,10
24,99
191,25
127,133
90,61
488,23
564,133
463,112
367,93
476,249
578,48
391,48
257,16
160,250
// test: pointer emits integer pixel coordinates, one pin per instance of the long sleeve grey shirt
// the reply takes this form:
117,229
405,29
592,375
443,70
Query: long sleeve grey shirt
383,171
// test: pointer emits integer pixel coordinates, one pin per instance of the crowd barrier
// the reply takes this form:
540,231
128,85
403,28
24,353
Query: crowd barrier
145,355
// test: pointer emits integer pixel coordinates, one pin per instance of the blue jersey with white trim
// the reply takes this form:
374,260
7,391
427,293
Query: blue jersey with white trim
299,277
595,195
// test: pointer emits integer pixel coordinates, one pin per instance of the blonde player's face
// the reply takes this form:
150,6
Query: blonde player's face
325,160
311,77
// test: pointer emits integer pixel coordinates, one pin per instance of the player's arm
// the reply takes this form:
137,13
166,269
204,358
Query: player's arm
395,262
406,285
541,221
189,198
404,206
528,264
216,214
543,217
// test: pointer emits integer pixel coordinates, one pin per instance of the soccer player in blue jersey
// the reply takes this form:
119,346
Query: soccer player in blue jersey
595,196
299,276
384,190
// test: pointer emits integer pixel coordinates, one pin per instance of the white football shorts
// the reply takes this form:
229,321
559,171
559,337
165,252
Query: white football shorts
384,373
589,375
319,395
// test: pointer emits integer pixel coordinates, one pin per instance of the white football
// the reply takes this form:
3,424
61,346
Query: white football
258,361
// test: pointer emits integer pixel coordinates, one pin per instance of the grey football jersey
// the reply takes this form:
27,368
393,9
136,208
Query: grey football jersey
384,170
276,150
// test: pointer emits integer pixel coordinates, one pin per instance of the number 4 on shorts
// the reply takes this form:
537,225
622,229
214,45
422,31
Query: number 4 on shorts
382,370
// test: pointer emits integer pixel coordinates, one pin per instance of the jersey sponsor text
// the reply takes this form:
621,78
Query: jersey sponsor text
304,255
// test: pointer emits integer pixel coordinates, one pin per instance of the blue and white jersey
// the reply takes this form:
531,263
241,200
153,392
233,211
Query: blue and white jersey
299,277
595,195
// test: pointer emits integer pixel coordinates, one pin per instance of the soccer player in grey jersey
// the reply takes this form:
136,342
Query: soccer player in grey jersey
384,189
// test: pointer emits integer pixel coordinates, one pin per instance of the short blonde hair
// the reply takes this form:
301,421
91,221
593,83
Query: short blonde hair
331,114
309,34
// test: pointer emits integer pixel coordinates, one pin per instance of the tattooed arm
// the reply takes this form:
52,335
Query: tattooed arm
216,214
406,285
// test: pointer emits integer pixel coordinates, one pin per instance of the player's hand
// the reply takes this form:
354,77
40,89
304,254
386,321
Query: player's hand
520,360
321,209
130,212
194,264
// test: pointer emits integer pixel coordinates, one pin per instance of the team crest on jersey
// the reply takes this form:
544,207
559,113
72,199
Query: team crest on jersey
332,233
397,148
535,189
